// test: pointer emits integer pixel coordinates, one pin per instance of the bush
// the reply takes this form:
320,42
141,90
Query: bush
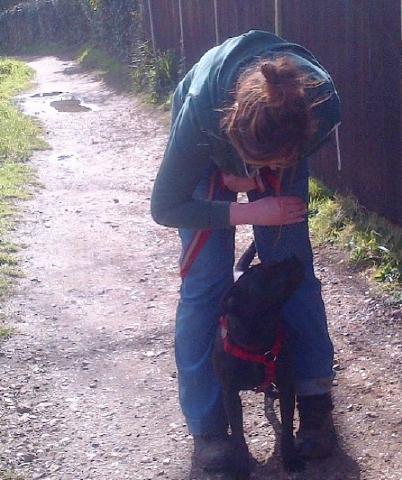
116,25
43,22
155,74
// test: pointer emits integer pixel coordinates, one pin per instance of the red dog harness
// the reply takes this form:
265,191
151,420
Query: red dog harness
268,359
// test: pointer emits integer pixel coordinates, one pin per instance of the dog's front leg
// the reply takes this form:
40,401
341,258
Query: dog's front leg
234,412
292,463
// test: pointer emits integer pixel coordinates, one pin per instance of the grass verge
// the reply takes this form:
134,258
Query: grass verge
19,136
152,76
110,70
374,244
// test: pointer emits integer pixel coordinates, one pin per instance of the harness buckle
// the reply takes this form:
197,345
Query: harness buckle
270,356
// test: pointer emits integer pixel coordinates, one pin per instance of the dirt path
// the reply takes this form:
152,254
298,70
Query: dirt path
88,388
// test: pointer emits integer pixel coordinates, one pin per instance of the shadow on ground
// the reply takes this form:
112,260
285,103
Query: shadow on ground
338,467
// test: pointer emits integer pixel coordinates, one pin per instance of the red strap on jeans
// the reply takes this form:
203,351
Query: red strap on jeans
201,236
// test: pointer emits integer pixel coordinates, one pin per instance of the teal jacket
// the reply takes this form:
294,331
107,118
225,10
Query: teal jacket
196,138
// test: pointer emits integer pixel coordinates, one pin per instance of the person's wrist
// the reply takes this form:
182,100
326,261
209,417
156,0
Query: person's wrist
240,213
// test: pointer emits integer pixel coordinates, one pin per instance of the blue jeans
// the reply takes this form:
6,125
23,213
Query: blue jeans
198,311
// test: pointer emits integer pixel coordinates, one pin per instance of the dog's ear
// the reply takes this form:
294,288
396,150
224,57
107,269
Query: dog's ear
230,302
231,299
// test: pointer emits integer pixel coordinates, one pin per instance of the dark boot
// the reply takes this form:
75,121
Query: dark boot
213,452
316,435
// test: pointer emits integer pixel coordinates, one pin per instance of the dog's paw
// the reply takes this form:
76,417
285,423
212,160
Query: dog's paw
242,466
314,448
294,465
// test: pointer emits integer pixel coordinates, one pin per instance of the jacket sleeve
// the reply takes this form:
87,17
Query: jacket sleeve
186,158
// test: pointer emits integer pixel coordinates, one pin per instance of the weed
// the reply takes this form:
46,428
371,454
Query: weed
374,244
5,333
154,73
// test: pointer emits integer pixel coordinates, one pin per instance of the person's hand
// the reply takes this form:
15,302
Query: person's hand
238,184
269,211
278,211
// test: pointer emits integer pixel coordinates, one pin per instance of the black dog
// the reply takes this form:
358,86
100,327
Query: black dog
251,352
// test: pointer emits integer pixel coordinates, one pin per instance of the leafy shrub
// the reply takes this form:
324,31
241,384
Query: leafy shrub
43,22
116,25
155,74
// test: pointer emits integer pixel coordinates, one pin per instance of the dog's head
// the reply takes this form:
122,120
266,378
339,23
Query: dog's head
255,299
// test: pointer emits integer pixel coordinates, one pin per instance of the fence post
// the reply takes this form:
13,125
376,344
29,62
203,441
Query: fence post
278,17
182,48
151,23
216,16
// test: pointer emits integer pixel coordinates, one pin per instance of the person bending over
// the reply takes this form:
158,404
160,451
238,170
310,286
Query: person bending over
246,118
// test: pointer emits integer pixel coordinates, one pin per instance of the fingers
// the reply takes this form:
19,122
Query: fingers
291,201
271,211
294,210
290,220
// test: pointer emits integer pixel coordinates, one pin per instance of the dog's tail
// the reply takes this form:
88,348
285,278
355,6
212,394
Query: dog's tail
246,259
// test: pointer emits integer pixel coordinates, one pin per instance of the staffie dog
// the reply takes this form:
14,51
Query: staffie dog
251,352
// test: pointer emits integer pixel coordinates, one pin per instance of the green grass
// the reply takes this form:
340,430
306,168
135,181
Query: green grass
151,76
109,69
10,476
94,58
5,333
374,244
14,77
155,74
19,137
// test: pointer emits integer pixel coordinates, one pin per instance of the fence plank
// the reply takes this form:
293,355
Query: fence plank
198,29
236,16
360,46
166,24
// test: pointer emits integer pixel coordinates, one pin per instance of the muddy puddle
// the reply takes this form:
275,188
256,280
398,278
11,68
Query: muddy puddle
51,102
70,105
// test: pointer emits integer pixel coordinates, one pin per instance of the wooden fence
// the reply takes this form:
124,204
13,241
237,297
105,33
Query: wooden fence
358,41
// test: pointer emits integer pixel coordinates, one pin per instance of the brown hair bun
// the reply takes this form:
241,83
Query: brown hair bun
271,118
